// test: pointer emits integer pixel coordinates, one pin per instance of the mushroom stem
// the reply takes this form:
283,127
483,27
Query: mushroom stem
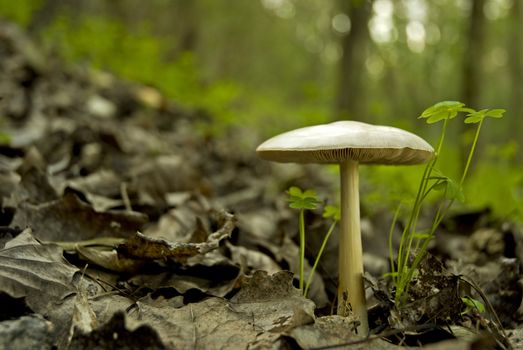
351,292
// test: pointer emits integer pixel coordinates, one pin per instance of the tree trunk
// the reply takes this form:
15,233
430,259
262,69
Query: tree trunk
473,54
350,100
471,84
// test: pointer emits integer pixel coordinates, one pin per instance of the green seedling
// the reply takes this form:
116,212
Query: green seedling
472,306
413,239
302,200
307,200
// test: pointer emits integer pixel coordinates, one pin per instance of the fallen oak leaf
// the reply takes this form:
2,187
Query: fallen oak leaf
144,247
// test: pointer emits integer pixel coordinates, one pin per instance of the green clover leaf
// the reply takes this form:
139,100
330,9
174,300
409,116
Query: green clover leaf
331,211
443,110
299,199
478,116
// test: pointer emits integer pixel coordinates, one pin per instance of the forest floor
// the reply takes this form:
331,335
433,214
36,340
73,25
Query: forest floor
125,226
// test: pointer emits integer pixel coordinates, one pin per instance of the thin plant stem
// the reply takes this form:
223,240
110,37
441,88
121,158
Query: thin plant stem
302,246
320,252
471,153
407,227
391,254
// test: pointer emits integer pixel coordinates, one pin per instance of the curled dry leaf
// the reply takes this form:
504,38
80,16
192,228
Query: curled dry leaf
108,259
143,247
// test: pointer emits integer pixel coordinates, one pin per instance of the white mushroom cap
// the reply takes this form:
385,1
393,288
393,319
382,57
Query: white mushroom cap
343,140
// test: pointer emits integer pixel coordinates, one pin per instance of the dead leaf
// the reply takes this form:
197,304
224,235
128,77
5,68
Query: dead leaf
35,271
268,304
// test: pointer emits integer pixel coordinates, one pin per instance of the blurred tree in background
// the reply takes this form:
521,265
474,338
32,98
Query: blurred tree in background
271,65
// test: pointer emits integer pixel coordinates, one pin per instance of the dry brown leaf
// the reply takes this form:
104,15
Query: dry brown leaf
35,271
266,305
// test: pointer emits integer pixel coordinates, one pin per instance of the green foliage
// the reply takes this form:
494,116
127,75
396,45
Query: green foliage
19,11
443,111
497,183
136,55
139,55
299,199
417,240
331,211
478,116
472,306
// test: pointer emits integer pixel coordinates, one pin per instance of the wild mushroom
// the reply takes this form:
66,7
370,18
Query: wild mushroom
348,143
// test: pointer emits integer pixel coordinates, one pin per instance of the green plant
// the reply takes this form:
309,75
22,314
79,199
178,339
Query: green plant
472,306
307,200
332,212
412,238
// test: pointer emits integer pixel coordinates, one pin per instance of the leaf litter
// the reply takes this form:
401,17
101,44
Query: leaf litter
124,225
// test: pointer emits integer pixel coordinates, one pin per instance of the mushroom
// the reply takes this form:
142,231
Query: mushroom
348,143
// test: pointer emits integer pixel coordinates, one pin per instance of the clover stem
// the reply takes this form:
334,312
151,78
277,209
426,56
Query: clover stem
302,246
471,153
351,292
320,252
